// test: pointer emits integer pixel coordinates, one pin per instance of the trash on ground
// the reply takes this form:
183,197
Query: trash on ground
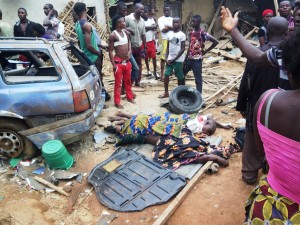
99,136
106,218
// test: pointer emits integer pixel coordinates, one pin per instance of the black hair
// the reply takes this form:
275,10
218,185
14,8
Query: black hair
79,7
50,5
0,13
121,5
55,13
197,17
291,56
166,6
38,28
22,9
114,21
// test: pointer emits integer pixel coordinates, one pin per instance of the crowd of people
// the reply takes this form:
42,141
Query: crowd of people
268,94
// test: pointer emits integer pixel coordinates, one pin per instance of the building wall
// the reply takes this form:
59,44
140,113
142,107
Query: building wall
35,9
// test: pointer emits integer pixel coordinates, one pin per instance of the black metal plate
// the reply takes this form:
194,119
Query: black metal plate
136,184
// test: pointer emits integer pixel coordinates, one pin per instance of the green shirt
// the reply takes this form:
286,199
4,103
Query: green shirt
83,47
6,30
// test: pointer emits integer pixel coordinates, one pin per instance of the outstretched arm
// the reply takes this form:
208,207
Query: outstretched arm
229,24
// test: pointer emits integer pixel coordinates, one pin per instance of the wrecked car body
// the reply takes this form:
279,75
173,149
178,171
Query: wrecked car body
48,90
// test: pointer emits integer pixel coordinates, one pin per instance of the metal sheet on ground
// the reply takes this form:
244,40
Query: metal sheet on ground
136,184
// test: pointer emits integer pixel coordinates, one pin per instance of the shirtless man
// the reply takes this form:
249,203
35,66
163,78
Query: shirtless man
119,42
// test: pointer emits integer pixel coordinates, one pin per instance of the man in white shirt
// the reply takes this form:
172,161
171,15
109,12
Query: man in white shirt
175,50
150,26
165,24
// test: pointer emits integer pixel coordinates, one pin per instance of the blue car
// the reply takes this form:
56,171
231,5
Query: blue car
48,90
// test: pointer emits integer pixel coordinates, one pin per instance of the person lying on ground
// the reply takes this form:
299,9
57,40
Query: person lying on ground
272,56
170,132
276,200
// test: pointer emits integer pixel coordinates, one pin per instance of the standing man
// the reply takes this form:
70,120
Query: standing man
262,32
285,10
137,24
87,39
5,29
50,22
165,24
23,28
150,25
119,42
196,51
257,79
175,56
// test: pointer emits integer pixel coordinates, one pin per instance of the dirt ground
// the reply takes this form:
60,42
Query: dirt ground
216,199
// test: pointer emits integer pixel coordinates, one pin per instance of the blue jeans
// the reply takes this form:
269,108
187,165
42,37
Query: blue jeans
135,69
196,66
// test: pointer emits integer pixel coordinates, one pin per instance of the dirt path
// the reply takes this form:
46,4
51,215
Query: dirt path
216,199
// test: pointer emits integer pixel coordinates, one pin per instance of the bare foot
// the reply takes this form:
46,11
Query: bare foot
132,101
164,95
119,106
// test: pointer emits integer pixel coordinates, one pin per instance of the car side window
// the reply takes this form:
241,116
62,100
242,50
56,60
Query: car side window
80,63
27,66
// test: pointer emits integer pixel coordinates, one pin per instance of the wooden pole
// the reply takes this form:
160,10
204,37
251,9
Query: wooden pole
48,184
276,7
163,218
215,16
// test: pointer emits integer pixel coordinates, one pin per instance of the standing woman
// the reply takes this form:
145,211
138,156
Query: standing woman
276,199
262,32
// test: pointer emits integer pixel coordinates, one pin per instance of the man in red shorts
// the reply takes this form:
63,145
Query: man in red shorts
150,26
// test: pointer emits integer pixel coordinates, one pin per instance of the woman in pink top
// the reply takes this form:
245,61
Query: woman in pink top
276,199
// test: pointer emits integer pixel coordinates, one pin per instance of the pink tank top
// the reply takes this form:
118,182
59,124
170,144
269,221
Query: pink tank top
283,156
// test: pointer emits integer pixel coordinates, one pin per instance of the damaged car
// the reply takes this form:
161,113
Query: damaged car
48,90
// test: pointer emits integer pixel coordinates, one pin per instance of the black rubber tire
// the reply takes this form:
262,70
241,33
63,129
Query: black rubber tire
185,99
12,144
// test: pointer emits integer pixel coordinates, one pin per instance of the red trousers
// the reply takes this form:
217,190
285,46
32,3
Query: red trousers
123,73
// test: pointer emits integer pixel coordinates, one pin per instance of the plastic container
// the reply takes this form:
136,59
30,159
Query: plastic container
56,155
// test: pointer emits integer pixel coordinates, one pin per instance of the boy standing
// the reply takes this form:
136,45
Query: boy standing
176,46
119,42
195,52
150,25
165,24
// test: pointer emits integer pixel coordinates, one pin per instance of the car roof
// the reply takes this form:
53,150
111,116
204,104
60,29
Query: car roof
28,41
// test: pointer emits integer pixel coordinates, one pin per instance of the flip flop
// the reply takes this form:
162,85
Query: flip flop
164,95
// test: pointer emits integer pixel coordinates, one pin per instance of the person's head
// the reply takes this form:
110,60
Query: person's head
0,14
146,13
122,9
118,22
291,59
277,28
285,8
139,9
74,16
167,10
151,12
79,8
22,13
209,126
196,21
38,30
267,15
55,13
176,23
297,15
47,8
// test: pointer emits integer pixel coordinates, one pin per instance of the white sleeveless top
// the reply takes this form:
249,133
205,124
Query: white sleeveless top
122,40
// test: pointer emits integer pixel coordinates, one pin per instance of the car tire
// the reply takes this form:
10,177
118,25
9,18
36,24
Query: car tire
12,144
185,99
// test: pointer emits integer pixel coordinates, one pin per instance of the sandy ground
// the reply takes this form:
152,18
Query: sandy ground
216,199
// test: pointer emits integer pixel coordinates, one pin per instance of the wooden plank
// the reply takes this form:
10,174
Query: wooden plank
48,184
215,16
163,218
276,7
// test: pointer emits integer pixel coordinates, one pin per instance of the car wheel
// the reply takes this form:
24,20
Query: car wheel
12,144
185,99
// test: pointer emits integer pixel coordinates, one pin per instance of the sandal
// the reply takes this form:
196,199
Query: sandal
164,95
